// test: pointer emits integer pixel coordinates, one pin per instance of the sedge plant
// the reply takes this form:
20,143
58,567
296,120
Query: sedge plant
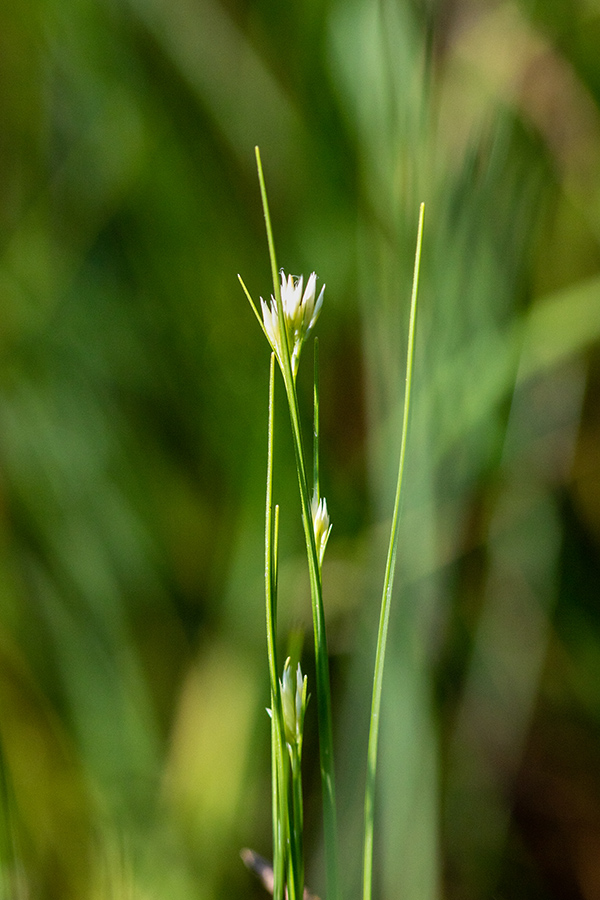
287,322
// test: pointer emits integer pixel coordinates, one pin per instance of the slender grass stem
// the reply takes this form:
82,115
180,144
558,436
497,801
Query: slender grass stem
321,656
279,793
316,486
295,882
387,592
298,822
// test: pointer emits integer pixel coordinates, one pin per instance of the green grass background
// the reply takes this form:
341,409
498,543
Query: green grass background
133,390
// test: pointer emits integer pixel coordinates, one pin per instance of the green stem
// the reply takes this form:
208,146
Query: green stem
321,656
387,593
316,486
298,819
279,786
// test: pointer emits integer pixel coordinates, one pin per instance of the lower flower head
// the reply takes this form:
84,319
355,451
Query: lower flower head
293,701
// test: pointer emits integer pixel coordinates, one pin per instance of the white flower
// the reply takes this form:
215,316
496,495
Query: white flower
300,311
293,701
321,525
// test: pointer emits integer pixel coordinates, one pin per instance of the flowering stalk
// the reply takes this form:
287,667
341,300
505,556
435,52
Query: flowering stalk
287,326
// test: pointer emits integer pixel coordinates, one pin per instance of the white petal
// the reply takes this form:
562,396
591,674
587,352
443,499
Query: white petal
315,314
271,323
309,293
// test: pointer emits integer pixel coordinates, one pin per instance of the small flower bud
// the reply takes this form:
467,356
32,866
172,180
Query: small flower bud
321,525
293,701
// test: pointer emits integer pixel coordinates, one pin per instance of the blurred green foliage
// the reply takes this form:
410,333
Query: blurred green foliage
133,679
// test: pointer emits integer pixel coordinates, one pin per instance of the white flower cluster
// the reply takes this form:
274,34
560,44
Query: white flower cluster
300,312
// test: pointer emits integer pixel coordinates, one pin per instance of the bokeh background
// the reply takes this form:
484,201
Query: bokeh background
133,377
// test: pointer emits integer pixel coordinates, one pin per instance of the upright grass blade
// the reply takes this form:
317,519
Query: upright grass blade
321,657
387,592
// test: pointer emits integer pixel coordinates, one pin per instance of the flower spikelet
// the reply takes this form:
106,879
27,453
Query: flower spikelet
300,311
293,701
321,525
